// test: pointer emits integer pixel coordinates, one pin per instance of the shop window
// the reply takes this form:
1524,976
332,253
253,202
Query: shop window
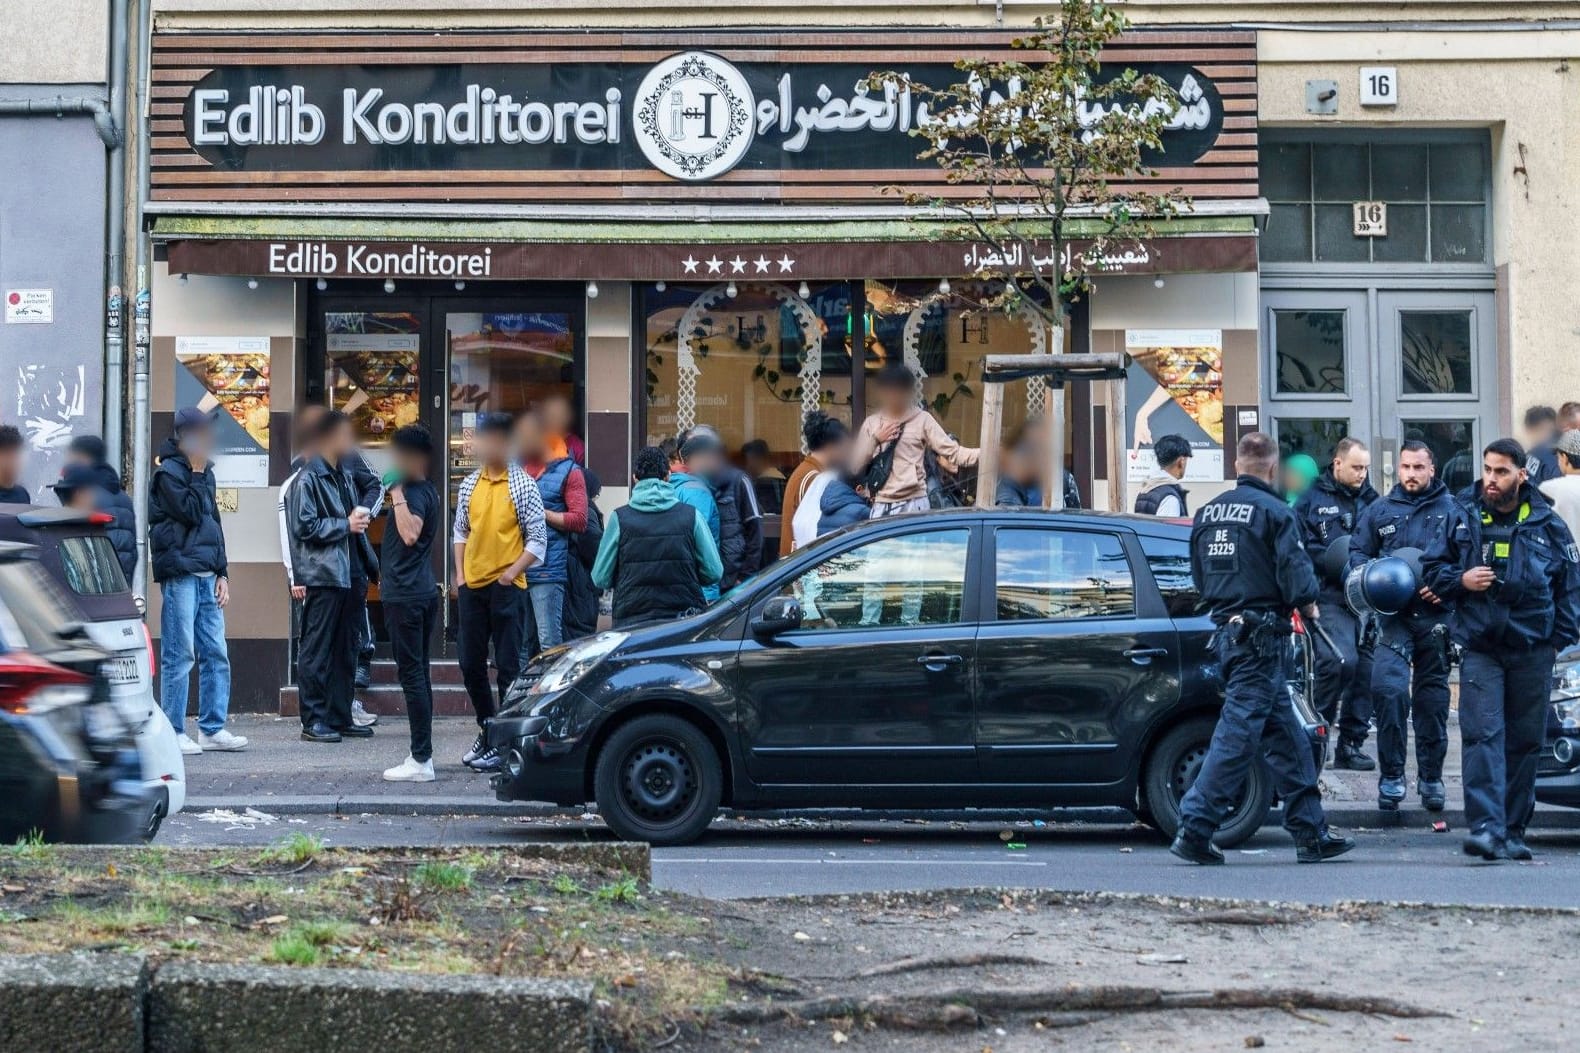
751,365
373,370
1436,192
1453,444
1313,436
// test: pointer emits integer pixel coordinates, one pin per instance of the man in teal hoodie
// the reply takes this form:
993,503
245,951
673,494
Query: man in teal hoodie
657,552
699,456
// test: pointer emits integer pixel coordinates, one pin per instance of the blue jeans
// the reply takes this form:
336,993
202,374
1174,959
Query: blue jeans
545,626
192,616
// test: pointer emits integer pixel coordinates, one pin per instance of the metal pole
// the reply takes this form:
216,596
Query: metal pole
142,453
1053,478
1116,445
114,423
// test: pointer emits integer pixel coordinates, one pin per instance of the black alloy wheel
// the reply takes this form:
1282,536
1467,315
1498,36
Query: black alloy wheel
658,779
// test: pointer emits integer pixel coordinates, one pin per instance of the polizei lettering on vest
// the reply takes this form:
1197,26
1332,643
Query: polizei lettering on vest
1228,512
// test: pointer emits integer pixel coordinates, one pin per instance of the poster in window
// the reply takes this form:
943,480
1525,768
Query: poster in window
373,378
1174,387
228,378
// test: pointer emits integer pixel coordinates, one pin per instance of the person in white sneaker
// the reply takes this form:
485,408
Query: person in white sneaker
410,591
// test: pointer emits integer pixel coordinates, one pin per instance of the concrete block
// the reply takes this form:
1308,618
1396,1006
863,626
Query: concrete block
72,1003
206,1008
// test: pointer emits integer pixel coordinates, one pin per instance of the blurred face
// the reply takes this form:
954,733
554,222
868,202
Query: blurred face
1501,480
81,499
78,457
1416,471
493,448
411,464
556,413
529,436
197,441
10,465
836,452
705,463
1350,470
895,401
306,425
756,463
338,442
1543,432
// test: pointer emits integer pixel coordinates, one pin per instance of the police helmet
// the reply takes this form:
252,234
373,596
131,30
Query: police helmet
1412,556
1381,586
1334,559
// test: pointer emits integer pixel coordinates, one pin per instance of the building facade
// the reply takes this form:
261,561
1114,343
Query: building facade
56,133
425,211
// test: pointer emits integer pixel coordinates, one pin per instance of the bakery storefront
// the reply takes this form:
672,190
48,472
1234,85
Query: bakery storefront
666,228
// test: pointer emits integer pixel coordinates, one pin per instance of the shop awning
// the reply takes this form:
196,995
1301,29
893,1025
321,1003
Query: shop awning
336,247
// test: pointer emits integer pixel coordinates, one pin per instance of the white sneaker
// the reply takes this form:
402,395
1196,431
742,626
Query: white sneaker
188,747
223,741
410,770
360,716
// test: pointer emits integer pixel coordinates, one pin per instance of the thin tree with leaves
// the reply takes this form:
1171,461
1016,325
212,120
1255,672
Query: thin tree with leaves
1047,150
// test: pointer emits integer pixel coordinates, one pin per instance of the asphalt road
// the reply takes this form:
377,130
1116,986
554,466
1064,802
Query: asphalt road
743,859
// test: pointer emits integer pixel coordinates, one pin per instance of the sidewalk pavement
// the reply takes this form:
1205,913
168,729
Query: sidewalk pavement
281,774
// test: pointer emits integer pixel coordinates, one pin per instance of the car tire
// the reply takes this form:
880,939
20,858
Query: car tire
1172,767
658,779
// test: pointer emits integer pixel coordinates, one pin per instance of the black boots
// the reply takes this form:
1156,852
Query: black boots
1328,845
1434,795
1482,845
1351,757
1198,850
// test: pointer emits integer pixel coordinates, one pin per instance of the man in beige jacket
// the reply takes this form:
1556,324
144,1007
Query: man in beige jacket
914,431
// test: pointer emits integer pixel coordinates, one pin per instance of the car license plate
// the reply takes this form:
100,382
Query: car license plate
122,670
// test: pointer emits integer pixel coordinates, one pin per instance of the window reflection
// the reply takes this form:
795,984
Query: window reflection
915,579
1059,574
1170,563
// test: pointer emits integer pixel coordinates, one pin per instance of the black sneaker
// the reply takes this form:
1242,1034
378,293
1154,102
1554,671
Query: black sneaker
1516,847
479,744
355,731
320,732
490,760
1434,795
1482,845
1198,850
1352,758
1390,792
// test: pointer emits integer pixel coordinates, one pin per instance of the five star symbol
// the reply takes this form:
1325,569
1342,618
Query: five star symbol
761,263
690,263
785,263
715,265
738,264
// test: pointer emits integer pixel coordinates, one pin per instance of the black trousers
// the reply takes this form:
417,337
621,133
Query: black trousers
493,614
410,624
326,656
1502,718
1346,676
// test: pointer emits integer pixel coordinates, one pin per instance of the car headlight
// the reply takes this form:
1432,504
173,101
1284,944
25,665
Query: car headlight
1566,694
577,661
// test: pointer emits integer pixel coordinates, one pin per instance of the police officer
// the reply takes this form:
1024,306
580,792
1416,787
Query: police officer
1247,564
1329,511
1412,646
1508,566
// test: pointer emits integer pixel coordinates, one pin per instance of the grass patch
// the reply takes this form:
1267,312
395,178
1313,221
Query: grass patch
444,877
32,846
295,850
625,890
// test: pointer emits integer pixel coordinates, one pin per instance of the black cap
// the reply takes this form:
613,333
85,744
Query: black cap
191,418
73,478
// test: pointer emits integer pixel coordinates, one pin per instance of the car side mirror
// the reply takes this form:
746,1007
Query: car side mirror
779,615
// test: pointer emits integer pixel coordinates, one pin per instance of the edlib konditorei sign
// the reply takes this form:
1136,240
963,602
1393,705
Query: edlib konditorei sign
614,113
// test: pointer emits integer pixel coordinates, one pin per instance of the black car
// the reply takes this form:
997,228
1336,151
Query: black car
1002,658
69,768
1558,768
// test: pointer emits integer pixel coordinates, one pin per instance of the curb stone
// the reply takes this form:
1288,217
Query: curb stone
72,1003
208,1008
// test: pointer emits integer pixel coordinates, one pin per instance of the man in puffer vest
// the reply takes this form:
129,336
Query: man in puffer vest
1162,494
563,489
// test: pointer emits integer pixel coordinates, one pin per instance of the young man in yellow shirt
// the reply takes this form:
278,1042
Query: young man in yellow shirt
499,533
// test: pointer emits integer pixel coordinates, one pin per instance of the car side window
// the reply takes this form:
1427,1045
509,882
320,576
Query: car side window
909,579
1169,559
1062,574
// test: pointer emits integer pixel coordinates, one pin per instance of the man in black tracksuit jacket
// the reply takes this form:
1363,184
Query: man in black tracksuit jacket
1509,567
1411,661
1328,511
1246,561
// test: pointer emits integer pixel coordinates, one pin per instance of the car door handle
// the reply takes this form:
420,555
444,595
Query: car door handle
931,660
1138,654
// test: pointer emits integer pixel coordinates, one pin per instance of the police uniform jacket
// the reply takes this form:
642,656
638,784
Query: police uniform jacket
1327,512
1246,555
1401,519
1536,598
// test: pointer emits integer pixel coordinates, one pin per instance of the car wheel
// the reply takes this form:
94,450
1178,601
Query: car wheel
658,779
1173,766
156,816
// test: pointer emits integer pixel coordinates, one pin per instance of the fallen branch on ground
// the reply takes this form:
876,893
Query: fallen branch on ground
964,1007
946,961
1234,917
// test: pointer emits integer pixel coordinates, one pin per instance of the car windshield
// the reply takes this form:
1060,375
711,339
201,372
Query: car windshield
90,566
37,613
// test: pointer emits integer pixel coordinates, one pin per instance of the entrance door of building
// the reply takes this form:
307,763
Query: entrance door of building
442,360
1383,365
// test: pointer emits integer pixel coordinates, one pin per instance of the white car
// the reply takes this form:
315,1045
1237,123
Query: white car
78,555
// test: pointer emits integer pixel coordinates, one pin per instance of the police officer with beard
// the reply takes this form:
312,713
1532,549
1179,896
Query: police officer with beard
1509,567
1413,646
1247,563
1327,512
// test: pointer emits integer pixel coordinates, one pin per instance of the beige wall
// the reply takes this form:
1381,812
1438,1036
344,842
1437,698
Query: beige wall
1518,85
54,41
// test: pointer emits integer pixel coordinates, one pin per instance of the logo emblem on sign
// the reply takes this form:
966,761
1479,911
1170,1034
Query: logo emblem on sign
693,116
